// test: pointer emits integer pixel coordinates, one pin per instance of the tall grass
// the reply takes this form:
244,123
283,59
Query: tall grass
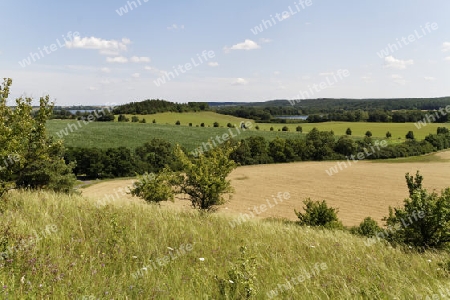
97,252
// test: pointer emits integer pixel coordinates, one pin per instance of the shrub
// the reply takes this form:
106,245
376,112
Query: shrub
190,124
154,121
348,131
285,128
216,124
442,130
271,128
143,121
424,221
123,118
299,128
229,125
318,214
369,227
257,127
368,133
153,188
178,122
134,119
388,135
410,135
202,125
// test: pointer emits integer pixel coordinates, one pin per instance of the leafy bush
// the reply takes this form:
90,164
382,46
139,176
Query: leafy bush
143,121
285,128
123,118
424,221
216,124
134,119
154,188
368,133
299,128
388,135
369,227
348,131
318,214
202,125
229,125
178,122
410,135
271,128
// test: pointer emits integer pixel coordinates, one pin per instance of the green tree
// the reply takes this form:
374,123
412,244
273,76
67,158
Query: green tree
388,135
28,157
348,131
285,128
299,128
123,118
368,133
410,135
369,228
424,221
154,188
216,124
134,119
178,122
204,177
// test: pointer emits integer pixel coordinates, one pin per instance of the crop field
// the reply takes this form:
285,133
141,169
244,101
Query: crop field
361,190
113,134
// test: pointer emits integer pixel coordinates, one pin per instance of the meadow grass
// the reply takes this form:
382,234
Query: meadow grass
97,252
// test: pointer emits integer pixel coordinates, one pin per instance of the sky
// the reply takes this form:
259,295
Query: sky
113,52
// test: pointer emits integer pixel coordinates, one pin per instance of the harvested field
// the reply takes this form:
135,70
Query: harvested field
361,190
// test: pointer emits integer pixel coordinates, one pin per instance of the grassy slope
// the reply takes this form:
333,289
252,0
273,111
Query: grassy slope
95,251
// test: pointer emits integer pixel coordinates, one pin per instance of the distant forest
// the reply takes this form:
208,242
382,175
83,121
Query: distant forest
147,107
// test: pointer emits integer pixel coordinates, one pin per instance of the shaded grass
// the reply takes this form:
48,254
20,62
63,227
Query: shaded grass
427,158
95,251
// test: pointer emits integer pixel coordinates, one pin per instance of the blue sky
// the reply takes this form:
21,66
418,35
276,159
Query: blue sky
103,52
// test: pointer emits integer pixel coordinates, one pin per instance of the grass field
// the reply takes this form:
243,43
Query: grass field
70,249
114,134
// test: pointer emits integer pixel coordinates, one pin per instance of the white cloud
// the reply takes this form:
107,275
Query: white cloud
391,62
136,75
326,74
429,78
92,88
155,70
105,70
367,78
239,81
175,27
446,47
117,59
137,59
276,73
213,64
264,40
105,81
398,79
106,47
247,45
306,77
447,58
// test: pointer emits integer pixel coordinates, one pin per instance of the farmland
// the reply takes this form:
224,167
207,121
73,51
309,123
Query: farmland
115,134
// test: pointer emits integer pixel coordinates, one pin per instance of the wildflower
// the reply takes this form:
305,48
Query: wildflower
144,268
201,259
134,256
171,249
231,281
22,280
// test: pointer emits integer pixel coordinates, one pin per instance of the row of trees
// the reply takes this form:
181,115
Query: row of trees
158,106
317,145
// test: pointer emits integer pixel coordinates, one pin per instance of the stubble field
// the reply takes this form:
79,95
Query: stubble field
363,189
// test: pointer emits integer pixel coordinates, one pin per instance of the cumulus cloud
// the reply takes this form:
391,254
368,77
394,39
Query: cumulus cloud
137,59
391,62
429,78
136,75
106,47
326,74
155,70
446,47
213,64
246,45
239,81
117,59
264,40
105,70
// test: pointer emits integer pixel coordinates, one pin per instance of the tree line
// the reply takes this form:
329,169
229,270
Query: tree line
317,145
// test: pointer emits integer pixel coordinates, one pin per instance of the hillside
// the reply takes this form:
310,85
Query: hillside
130,250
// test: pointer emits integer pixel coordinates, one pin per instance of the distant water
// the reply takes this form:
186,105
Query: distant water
292,117
81,111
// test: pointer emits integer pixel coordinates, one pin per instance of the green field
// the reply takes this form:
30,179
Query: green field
67,248
114,134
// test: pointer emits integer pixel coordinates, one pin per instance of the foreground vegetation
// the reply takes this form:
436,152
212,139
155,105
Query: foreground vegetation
101,252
